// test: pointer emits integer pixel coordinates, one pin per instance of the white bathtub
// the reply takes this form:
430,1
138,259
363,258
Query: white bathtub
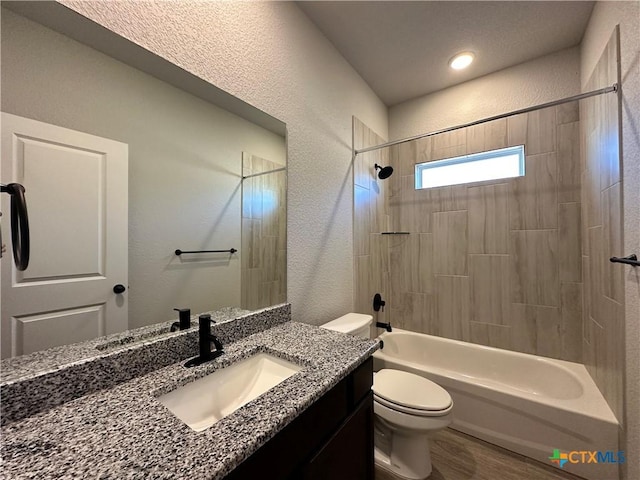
528,404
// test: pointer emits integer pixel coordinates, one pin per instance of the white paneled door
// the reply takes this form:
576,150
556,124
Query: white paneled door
77,199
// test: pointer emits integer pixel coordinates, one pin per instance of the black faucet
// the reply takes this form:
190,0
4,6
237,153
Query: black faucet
386,326
184,315
205,339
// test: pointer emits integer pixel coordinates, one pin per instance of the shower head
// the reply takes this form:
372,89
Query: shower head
385,172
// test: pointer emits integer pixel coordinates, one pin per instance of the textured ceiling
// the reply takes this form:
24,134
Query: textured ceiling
402,49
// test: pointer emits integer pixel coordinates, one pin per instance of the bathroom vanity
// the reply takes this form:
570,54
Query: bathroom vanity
316,424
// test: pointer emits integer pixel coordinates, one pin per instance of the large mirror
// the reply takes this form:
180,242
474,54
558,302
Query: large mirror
126,160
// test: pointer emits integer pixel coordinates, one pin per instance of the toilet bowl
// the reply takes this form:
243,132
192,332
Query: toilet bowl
407,410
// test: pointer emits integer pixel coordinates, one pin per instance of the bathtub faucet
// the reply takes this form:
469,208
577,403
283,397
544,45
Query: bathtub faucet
386,326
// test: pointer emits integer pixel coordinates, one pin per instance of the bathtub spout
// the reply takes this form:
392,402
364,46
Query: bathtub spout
386,326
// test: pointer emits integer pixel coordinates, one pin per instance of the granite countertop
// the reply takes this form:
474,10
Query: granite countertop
17,368
124,431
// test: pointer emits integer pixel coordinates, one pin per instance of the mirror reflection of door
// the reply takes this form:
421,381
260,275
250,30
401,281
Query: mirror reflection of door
77,197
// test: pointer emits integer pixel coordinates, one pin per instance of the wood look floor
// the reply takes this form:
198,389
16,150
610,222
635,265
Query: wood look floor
456,456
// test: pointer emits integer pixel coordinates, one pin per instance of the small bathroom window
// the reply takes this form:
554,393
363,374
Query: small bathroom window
475,167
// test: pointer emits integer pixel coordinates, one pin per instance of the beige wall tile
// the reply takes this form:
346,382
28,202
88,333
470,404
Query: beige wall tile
282,226
363,300
379,197
269,252
424,148
270,206
537,329
448,152
524,331
399,311
591,201
263,254
487,136
379,269
452,306
476,138
450,243
255,198
402,206
541,131
496,135
446,140
251,288
425,273
252,243
567,113
419,316
361,139
596,263
614,357
488,219
571,311
569,240
609,141
449,199
410,264
424,206
534,271
281,275
498,336
407,158
612,273
533,203
517,129
589,353
361,224
568,162
423,264
586,300
401,276
489,289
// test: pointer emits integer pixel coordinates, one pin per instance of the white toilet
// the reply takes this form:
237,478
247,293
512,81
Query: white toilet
408,409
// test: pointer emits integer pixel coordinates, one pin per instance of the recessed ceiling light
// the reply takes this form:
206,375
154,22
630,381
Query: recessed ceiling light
461,60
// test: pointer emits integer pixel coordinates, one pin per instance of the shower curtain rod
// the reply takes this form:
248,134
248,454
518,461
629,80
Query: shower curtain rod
593,93
264,173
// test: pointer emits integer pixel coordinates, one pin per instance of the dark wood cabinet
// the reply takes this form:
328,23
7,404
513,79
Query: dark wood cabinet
332,439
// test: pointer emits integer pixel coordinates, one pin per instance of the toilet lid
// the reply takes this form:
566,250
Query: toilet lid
348,323
409,390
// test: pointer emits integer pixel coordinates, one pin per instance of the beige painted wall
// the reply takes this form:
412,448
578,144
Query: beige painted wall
271,55
541,80
185,162
605,16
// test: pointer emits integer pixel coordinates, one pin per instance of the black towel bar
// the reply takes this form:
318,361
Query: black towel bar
630,260
180,252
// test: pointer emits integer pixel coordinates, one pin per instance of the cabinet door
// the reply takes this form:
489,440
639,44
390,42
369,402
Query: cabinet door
348,455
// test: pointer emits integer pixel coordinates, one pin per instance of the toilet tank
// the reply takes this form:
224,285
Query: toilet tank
357,324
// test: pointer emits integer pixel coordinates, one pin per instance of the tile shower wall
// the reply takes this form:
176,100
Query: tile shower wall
264,234
371,217
603,308
495,263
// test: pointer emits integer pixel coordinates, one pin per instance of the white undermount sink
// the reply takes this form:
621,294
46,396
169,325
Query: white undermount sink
203,402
